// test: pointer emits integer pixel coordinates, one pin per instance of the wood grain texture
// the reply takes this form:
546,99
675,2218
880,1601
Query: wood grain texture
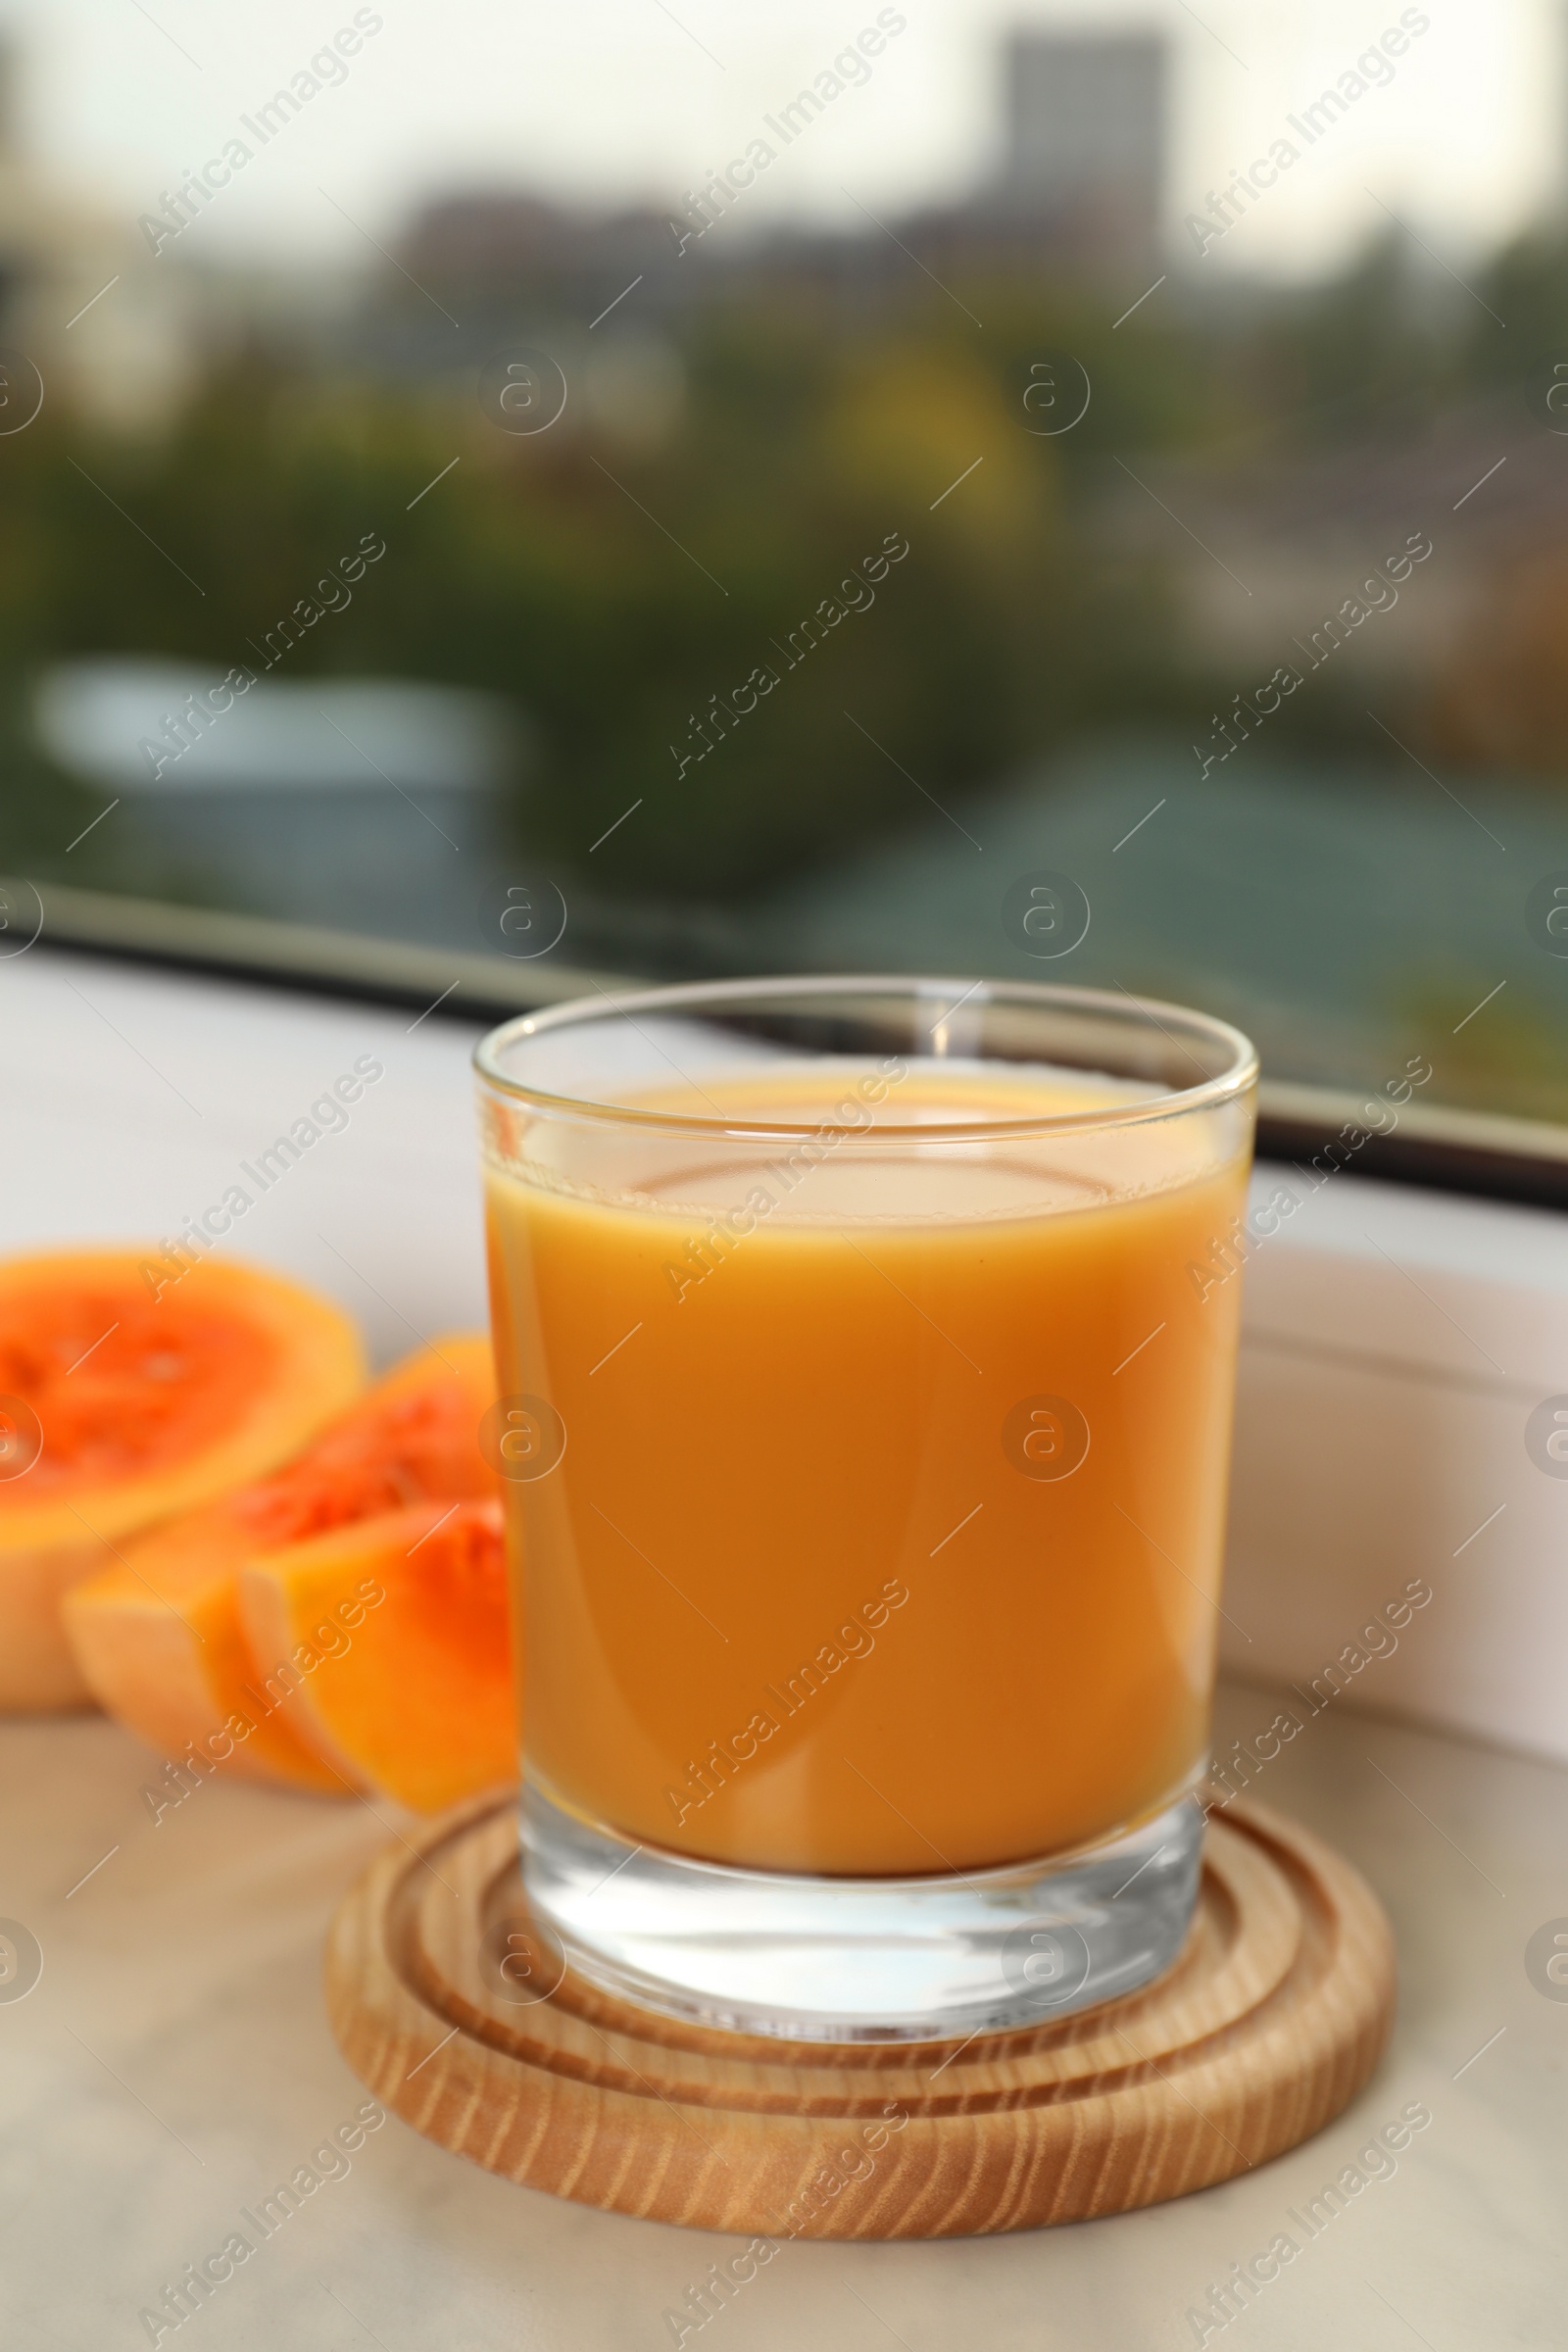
1268,2023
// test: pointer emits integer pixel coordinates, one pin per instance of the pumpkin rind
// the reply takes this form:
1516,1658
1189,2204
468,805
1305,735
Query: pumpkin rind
159,1634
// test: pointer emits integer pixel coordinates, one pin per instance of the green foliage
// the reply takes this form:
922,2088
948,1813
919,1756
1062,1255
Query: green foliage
611,590
531,571
611,586
1526,286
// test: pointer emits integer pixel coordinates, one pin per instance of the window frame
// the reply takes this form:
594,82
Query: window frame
1484,1154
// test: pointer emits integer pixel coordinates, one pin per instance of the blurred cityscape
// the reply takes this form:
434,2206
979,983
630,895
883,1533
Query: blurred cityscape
778,595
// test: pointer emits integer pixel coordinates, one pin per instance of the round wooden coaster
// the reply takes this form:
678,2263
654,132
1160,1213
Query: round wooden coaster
1268,2023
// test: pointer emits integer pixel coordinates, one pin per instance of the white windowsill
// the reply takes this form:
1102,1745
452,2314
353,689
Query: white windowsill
174,2060
1395,1340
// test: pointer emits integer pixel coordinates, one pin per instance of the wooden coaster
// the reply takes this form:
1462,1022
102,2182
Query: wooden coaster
1268,2023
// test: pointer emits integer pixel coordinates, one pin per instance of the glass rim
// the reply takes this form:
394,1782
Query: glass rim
1043,996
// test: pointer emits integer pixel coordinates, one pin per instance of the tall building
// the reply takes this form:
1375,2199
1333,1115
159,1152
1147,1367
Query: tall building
1076,186
111,332
1086,133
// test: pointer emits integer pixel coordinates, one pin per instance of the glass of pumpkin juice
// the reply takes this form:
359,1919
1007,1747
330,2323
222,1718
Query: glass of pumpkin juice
865,1405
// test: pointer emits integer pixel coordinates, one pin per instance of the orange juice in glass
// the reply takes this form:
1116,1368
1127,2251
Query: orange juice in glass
866,1432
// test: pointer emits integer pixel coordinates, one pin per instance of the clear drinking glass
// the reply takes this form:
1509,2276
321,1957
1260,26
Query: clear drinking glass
868,1372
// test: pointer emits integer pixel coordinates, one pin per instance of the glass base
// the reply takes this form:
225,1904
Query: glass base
819,1959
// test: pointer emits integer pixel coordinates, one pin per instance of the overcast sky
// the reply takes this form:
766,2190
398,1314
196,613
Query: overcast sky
613,100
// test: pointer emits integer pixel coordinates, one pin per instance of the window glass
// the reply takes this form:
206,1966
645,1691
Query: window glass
1073,494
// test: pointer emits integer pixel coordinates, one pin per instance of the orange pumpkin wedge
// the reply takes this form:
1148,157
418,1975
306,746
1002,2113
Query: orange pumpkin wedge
397,1632
158,1635
130,1393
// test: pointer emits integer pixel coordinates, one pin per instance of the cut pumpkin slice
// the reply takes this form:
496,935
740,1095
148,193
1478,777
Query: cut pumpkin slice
396,1630
131,1393
158,1633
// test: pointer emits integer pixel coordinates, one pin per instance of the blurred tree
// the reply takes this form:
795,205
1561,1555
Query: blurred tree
1502,702
616,595
631,592
1525,286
